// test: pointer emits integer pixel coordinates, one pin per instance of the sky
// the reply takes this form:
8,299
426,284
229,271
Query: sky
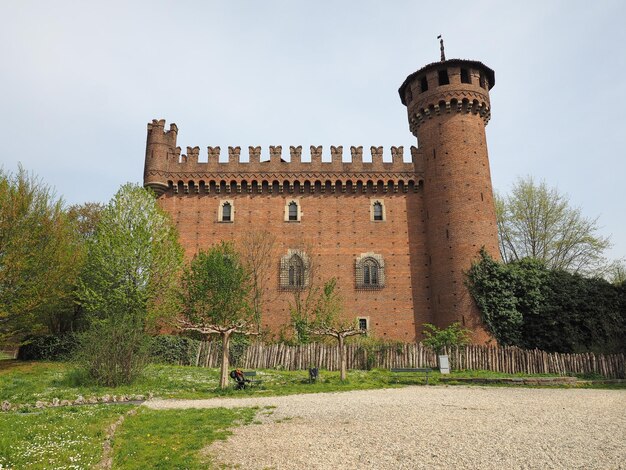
79,81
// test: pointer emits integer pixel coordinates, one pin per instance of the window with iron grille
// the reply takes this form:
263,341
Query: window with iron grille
294,270
370,271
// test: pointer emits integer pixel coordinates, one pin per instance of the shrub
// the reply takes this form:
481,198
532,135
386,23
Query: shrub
176,350
48,348
113,352
437,338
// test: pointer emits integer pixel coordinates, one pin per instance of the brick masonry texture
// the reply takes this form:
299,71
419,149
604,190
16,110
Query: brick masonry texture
438,208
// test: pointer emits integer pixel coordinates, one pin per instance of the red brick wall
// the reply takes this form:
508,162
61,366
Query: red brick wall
337,229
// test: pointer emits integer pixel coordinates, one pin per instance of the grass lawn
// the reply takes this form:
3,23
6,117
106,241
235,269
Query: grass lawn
173,438
28,382
73,437
68,437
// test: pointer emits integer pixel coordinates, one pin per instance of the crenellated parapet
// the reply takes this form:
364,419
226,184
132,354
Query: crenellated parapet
452,86
168,168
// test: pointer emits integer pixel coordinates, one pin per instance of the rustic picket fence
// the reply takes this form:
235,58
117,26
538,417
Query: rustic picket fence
498,359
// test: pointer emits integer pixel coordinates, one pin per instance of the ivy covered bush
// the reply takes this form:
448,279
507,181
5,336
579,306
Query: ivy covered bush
525,304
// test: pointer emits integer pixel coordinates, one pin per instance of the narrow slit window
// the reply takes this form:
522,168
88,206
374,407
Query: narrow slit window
483,80
424,84
443,77
465,76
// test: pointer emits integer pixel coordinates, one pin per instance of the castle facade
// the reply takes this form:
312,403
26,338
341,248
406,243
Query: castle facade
398,236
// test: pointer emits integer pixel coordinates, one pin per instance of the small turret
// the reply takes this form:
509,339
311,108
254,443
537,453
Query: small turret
160,153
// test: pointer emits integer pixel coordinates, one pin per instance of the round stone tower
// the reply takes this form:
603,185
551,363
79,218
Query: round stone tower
448,108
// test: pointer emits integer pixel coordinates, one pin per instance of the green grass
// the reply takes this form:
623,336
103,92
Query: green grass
173,438
72,437
28,382
69,437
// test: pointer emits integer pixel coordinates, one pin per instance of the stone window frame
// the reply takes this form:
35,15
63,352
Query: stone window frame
288,202
360,270
373,202
220,211
367,323
285,264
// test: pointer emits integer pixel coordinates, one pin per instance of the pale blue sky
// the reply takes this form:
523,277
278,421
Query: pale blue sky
79,81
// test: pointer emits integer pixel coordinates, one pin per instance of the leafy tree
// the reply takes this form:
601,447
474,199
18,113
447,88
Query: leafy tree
329,320
68,314
129,283
215,295
453,335
538,222
39,254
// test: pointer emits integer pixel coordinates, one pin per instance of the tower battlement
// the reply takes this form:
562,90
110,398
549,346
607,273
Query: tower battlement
167,167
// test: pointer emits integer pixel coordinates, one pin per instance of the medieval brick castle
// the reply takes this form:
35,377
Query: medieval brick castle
397,236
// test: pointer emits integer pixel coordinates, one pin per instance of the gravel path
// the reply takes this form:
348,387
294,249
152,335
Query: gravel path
427,427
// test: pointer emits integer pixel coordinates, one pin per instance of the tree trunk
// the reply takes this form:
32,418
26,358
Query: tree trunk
225,348
342,358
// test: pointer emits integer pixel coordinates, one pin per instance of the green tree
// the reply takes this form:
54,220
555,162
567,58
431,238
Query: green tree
215,298
329,320
453,335
129,283
538,222
40,255
67,315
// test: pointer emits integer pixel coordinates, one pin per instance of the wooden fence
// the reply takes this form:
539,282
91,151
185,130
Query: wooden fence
498,359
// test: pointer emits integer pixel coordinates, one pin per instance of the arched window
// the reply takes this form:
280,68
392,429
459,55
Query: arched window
293,210
378,211
294,270
226,210
370,271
